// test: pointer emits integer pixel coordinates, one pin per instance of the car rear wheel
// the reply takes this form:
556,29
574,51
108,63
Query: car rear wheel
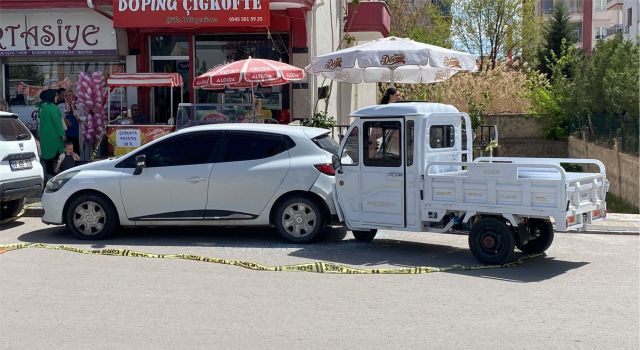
364,236
491,241
10,209
299,220
91,216
542,231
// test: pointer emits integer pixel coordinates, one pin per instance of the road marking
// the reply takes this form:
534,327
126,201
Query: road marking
316,267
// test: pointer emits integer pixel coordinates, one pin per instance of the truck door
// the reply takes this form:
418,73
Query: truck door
383,172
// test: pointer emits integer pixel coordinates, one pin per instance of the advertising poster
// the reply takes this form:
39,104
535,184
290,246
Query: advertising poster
126,138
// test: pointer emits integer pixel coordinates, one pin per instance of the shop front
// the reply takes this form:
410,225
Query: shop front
48,48
195,36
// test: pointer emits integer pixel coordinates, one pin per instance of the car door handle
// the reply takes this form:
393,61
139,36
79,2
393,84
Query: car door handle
394,174
195,179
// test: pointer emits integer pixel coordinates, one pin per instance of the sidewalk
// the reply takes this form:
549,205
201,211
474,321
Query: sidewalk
614,223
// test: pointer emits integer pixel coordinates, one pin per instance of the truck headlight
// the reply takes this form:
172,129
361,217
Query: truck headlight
58,181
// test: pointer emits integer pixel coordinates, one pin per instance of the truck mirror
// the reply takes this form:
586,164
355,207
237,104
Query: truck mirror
337,165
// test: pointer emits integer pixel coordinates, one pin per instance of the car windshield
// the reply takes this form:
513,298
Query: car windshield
11,129
327,143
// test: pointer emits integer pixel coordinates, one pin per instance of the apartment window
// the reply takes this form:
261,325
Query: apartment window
629,17
600,32
547,6
601,5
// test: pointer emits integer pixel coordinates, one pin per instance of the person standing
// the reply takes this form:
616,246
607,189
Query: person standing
392,95
50,130
71,120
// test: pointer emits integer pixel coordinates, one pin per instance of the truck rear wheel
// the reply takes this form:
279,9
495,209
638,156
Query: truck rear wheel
491,241
365,236
542,233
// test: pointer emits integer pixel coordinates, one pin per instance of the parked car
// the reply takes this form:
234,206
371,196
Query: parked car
224,174
21,174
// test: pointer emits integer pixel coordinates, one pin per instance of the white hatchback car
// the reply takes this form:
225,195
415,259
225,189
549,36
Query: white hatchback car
21,174
224,174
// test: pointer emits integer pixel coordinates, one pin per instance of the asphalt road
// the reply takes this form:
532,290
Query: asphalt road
583,295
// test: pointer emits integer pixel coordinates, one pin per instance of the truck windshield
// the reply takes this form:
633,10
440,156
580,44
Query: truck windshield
327,143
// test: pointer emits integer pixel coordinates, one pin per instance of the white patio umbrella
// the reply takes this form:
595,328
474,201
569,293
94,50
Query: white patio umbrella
393,60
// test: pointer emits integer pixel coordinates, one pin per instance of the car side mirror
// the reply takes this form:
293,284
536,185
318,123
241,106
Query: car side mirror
141,162
337,165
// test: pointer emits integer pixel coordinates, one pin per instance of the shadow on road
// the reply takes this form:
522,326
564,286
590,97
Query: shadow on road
12,224
390,252
263,237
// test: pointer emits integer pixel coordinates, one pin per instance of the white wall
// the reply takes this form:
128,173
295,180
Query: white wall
325,28
633,30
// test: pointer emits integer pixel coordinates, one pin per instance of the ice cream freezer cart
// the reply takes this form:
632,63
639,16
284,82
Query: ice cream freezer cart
122,133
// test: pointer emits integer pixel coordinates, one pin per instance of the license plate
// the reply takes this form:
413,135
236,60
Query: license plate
21,164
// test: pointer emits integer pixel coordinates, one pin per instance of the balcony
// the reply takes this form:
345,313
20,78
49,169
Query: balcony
613,3
368,20
615,29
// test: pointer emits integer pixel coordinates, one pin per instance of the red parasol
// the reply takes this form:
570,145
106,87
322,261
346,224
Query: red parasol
247,74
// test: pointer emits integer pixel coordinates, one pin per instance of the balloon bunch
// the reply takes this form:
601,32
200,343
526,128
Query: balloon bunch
91,93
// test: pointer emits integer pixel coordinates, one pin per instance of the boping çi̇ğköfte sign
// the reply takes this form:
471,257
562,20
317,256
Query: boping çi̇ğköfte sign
190,13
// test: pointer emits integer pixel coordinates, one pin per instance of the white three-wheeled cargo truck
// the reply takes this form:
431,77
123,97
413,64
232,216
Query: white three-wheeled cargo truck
404,167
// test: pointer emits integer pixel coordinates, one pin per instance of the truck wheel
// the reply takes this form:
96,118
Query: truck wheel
491,241
299,220
10,209
542,230
365,236
91,216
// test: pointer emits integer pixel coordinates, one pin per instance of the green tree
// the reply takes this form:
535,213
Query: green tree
424,23
493,29
556,30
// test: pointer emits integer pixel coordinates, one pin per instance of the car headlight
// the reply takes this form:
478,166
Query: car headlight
58,181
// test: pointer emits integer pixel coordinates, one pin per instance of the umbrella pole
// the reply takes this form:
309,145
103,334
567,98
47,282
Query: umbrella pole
253,101
392,76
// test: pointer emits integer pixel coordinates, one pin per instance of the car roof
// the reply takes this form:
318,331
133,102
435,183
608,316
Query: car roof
290,130
403,109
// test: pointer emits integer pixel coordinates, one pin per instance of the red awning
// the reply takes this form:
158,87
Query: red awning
145,79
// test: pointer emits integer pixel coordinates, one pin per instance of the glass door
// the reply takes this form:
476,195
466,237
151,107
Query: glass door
169,54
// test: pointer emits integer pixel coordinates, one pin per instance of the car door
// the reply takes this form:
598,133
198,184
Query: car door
383,172
174,183
248,172
348,186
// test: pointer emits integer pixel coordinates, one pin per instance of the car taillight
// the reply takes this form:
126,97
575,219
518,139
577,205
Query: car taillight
326,169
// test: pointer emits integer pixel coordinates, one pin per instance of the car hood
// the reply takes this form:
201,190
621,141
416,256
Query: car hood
98,165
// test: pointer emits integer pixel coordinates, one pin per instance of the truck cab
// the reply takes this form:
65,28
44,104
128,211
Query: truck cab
410,167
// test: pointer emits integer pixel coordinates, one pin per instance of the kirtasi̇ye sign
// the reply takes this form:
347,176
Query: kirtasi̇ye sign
70,33
190,13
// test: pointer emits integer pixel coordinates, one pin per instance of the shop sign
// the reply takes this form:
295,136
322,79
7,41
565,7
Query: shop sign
73,33
190,13
123,139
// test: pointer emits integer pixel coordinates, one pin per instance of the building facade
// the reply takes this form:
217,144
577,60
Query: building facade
624,16
47,43
591,18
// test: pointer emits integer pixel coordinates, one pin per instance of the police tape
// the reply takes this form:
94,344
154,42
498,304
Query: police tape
316,267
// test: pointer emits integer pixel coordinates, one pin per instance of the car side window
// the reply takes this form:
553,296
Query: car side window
350,153
442,136
382,144
190,149
243,146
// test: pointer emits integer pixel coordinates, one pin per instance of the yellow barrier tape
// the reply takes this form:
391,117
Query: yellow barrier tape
317,267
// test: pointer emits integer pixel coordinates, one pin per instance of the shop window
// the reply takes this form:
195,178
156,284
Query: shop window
442,136
350,153
243,146
214,50
169,45
382,142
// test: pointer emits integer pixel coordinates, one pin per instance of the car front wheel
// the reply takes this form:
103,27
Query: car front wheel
91,216
299,220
